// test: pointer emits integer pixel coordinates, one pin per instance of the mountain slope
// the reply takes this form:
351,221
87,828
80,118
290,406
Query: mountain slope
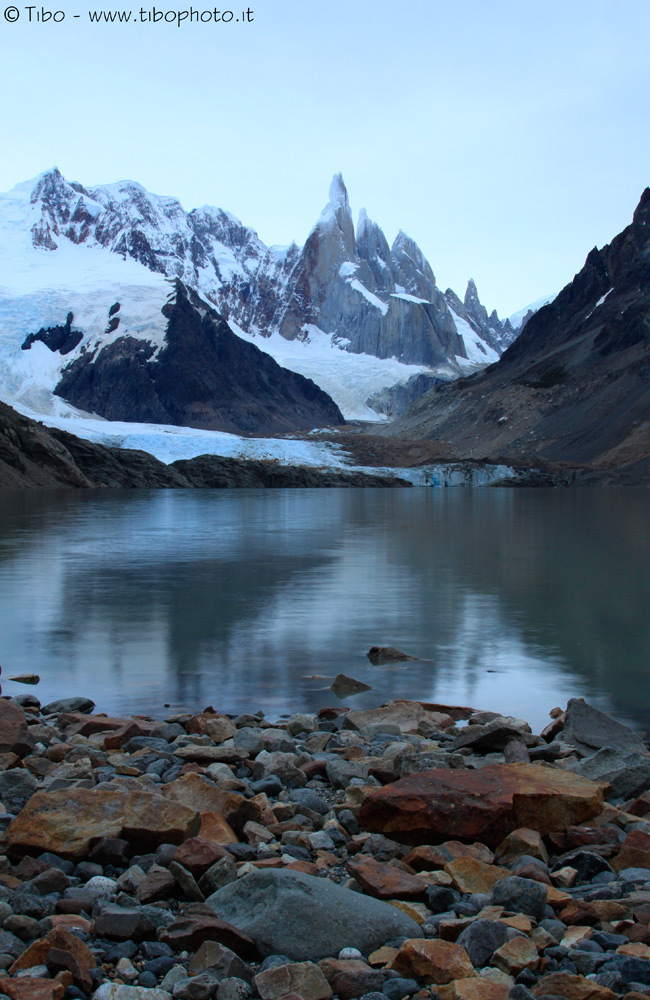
574,388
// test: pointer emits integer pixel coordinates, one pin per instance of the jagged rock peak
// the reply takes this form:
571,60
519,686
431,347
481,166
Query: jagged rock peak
338,193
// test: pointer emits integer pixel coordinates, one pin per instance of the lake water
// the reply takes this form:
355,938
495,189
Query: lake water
515,600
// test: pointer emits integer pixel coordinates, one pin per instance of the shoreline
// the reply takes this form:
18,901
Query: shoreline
406,850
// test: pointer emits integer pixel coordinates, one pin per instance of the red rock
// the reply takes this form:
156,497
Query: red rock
116,739
474,989
88,725
515,956
188,933
33,989
351,978
433,961
470,875
384,881
198,854
60,949
410,716
15,736
570,987
485,805
635,852
67,821
640,806
522,841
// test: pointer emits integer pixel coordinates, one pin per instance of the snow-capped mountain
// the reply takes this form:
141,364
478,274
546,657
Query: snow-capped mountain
347,310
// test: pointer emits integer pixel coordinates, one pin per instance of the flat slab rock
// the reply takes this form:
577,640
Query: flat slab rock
307,918
484,805
68,820
409,716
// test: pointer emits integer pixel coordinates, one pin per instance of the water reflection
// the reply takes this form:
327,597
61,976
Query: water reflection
515,599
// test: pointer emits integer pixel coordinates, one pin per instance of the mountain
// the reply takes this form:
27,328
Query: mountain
34,455
574,388
346,310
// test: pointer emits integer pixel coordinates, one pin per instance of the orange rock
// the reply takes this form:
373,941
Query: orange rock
474,989
451,930
563,984
33,989
579,911
383,956
636,949
515,956
205,797
63,950
71,921
520,922
416,911
520,842
15,736
68,820
485,804
573,935
556,898
433,961
635,852
383,881
470,875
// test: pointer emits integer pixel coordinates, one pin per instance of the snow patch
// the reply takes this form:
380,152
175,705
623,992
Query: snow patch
478,352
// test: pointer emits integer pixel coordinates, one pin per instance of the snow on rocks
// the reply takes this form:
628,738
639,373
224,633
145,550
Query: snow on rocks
132,870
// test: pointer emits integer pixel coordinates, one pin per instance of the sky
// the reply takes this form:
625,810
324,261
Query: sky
507,138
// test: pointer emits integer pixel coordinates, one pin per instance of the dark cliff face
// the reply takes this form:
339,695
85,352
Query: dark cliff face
203,376
574,387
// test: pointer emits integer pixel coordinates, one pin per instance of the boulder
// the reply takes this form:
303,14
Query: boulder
627,771
485,805
67,821
588,730
303,917
408,716
15,736
634,853
379,655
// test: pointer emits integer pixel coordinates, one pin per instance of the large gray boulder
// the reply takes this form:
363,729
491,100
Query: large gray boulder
626,771
304,917
589,730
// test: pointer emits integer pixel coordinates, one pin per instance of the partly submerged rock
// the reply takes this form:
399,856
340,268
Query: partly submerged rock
343,686
481,805
305,917
379,655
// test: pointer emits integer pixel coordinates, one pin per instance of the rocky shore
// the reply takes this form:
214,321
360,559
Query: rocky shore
411,850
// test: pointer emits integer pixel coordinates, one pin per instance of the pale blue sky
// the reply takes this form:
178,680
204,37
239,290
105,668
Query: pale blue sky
507,138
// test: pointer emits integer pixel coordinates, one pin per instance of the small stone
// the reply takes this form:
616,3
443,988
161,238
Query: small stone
520,842
433,961
302,978
383,881
350,978
571,987
515,956
234,989
521,895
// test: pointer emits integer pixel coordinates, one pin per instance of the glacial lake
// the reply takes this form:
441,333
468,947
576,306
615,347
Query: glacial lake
514,599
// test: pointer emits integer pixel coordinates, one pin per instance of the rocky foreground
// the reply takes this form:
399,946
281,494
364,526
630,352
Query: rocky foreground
411,850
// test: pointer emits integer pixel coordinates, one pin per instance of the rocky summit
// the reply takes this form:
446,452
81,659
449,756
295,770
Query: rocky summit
412,850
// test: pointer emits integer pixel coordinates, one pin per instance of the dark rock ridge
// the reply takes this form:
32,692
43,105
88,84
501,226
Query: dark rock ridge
378,299
58,338
574,388
34,455
203,376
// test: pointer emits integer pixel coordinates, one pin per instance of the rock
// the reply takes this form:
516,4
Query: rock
221,873
123,923
515,956
219,728
303,978
626,771
634,853
233,988
431,961
521,895
67,821
305,917
220,961
474,989
32,988
383,881
571,987
494,735
350,978
379,655
408,716
60,949
25,678
221,812
116,991
189,931
471,875
342,686
15,736
588,730
198,855
481,805
186,882
281,764
518,843
482,938
75,704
